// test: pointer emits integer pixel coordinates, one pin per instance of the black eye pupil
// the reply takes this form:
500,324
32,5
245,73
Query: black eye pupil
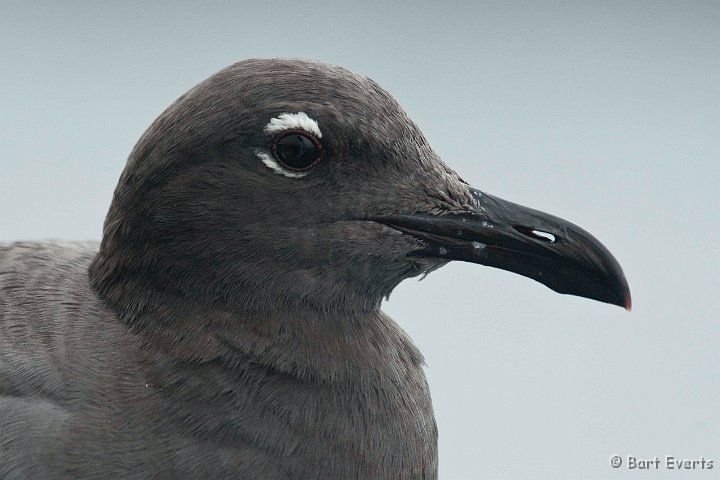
296,151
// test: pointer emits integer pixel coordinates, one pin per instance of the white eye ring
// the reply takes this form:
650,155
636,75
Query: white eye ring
281,123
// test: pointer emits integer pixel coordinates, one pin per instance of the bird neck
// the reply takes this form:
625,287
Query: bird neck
309,345
293,338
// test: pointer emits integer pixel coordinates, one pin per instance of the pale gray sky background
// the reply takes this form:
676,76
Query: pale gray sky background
604,113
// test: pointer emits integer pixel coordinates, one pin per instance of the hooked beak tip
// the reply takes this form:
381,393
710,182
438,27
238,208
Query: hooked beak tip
628,302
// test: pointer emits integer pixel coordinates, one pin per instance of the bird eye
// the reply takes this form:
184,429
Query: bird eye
297,151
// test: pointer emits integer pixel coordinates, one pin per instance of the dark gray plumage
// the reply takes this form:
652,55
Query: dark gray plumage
228,326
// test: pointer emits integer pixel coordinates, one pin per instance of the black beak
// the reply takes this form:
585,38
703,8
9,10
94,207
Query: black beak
534,244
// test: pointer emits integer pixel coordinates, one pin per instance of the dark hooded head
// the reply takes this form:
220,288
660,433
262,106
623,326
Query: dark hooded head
280,183
257,185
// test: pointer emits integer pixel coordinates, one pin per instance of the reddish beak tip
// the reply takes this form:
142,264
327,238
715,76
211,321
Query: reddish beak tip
628,303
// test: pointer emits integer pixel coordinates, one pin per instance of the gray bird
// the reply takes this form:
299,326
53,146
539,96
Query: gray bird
228,325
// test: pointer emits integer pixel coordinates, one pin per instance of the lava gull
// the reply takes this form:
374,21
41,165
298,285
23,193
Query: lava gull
228,325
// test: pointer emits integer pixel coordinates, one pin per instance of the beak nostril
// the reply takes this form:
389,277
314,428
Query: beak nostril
537,234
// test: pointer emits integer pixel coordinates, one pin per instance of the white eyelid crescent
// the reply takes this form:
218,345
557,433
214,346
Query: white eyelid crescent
293,121
275,167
